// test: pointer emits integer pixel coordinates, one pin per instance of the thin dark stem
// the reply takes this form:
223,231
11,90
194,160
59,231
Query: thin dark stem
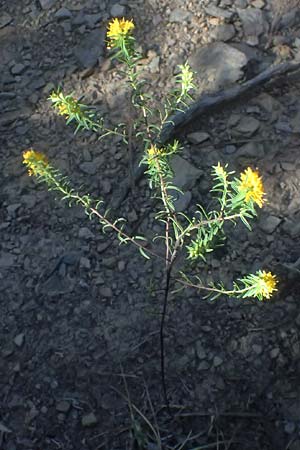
162,340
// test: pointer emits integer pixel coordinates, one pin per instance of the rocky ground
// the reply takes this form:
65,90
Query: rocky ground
79,355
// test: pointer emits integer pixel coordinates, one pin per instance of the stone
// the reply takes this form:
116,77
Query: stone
258,4
63,14
182,201
106,292
247,126
118,10
204,365
201,353
89,420
47,4
6,260
274,352
224,32
295,445
229,149
214,11
18,69
88,167
197,137
257,349
241,4
91,48
63,406
217,361
253,24
185,174
121,266
269,223
179,15
217,65
85,263
5,19
295,123
19,339
252,150
85,233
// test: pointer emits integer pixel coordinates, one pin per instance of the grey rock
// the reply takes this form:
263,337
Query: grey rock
289,427
118,10
179,15
87,19
197,137
85,233
214,11
19,339
63,14
224,32
6,260
5,19
257,349
91,48
12,209
241,4
258,4
88,167
4,429
201,353
56,285
295,123
217,65
89,420
154,64
283,125
274,352
121,266
18,69
247,126
252,150
63,406
295,445
229,149
269,223
47,4
204,365
85,263
185,173
217,361
182,201
253,24
106,292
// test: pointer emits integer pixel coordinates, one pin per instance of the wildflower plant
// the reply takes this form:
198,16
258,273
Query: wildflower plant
195,236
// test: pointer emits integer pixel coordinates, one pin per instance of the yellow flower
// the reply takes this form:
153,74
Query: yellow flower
36,162
266,284
62,109
251,184
119,28
153,151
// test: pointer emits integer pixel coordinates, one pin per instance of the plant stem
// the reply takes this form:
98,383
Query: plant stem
162,337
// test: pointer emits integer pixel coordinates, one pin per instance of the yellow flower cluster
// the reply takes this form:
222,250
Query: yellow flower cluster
251,184
63,110
117,29
153,151
267,284
35,162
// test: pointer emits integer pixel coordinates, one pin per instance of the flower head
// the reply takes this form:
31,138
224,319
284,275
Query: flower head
119,29
251,185
66,105
35,162
266,283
